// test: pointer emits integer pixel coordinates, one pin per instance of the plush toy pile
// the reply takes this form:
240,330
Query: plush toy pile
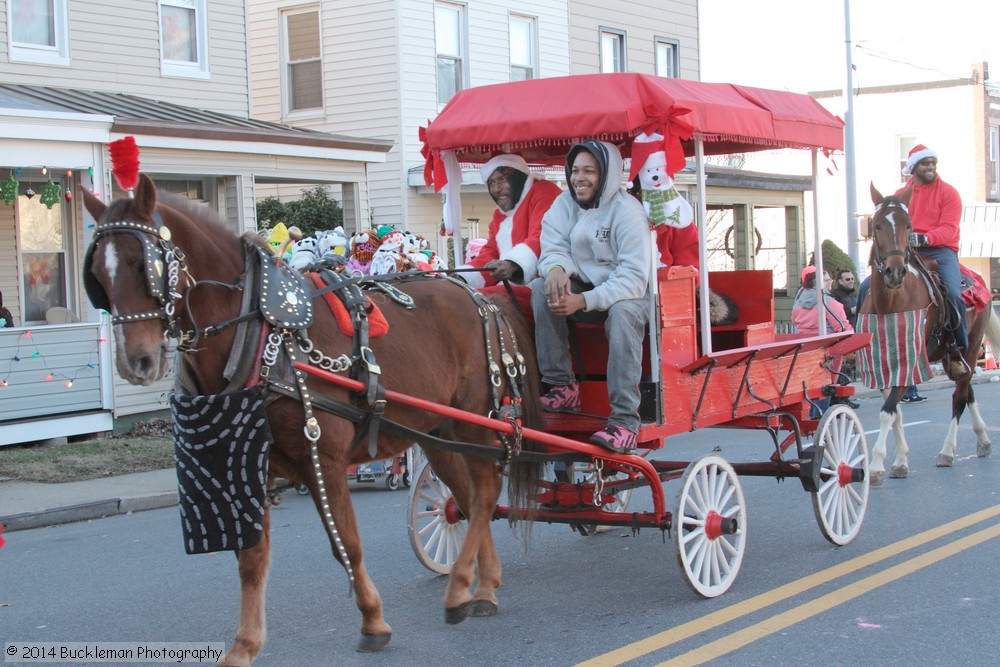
370,251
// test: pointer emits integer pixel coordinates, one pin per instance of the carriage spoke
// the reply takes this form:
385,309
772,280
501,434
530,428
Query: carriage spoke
839,504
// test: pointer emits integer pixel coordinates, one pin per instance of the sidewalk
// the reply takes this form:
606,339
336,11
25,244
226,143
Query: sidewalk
33,505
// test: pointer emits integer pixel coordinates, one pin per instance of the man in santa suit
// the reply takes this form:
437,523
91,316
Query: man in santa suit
512,247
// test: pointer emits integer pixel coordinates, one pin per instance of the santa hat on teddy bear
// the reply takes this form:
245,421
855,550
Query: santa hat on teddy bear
917,153
645,145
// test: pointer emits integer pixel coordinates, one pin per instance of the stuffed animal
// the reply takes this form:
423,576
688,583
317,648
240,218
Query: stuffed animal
663,204
334,247
305,252
389,257
277,236
411,248
363,247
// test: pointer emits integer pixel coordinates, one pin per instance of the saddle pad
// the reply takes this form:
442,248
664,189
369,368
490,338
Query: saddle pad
974,290
377,324
897,356
220,452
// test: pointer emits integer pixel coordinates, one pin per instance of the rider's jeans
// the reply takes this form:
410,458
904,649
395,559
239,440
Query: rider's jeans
951,276
624,326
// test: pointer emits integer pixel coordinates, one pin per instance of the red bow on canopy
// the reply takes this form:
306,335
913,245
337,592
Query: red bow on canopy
669,124
434,173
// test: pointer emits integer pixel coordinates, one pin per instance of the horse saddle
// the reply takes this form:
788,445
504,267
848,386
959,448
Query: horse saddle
284,293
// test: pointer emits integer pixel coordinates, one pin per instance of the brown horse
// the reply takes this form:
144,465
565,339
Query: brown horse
191,282
900,283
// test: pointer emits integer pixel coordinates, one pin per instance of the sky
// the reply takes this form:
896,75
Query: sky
800,45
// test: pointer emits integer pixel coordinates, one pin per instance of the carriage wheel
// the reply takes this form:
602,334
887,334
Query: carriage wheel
710,525
392,481
841,501
435,524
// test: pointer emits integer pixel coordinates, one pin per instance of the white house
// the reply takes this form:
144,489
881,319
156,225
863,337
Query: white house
173,74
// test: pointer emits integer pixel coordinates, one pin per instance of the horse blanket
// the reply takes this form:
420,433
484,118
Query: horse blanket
897,356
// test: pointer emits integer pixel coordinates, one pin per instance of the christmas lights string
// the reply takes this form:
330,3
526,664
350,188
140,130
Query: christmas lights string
51,374
49,192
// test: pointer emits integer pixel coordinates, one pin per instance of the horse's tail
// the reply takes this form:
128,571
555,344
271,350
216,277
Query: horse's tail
993,330
523,476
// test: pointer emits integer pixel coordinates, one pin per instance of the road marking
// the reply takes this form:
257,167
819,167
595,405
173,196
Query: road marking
826,602
925,421
715,619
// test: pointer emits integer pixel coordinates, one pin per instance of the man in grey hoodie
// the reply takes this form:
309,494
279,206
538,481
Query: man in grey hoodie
595,265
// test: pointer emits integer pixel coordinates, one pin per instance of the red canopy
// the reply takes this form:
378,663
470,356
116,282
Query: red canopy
540,119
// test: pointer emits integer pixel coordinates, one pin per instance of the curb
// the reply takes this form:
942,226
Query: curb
86,511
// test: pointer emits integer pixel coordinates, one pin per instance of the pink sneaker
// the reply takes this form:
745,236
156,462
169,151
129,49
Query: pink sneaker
615,438
562,398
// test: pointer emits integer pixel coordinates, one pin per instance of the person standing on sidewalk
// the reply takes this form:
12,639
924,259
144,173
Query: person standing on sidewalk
911,395
844,292
595,266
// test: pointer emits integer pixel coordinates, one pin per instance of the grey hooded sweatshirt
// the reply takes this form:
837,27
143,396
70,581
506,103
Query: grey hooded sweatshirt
607,245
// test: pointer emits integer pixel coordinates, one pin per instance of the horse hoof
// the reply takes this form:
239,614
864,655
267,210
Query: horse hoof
482,608
876,478
944,461
983,450
899,472
455,615
373,643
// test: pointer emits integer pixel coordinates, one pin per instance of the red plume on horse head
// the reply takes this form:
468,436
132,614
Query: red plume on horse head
125,163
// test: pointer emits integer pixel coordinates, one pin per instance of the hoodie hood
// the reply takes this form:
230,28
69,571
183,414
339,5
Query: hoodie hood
609,159
806,298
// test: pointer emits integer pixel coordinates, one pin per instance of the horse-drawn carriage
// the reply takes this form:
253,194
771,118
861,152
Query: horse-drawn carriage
334,397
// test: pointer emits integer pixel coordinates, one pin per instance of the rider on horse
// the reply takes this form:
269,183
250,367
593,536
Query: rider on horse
935,213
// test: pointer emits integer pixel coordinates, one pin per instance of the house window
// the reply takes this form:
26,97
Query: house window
449,38
42,239
666,57
906,144
612,50
184,38
522,48
38,31
303,57
994,160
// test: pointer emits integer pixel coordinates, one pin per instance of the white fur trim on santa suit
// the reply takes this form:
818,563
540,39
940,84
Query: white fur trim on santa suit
918,153
506,160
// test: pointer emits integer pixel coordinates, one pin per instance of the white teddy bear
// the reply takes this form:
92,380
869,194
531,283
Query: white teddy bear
663,204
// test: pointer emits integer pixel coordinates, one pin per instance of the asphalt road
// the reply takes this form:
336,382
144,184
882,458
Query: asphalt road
916,587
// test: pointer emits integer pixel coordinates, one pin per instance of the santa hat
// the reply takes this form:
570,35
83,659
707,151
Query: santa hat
643,146
917,153
506,160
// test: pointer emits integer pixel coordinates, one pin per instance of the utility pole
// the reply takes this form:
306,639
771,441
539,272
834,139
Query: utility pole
849,161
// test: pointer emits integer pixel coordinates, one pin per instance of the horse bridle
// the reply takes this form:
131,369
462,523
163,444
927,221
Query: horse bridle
163,264
880,259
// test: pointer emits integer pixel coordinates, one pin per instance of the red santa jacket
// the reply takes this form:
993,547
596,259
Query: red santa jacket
935,210
525,232
678,247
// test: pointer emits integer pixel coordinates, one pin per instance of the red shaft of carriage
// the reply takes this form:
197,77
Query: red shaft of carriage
567,444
